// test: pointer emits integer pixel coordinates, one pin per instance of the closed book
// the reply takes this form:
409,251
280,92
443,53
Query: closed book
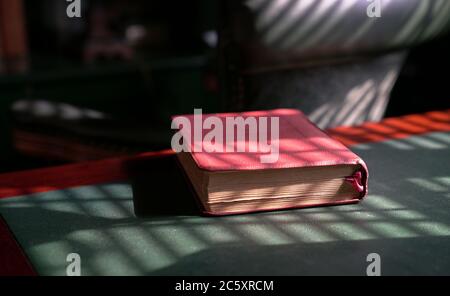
309,168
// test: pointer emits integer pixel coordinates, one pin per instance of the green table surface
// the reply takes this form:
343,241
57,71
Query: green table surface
405,219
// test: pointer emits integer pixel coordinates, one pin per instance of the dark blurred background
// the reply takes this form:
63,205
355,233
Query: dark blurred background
106,84
137,61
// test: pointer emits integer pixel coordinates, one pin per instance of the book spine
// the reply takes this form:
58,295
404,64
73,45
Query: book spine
356,181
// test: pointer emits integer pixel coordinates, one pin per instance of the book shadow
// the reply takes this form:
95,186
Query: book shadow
160,188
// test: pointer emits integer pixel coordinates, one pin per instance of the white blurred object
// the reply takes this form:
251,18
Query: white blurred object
47,109
210,38
135,33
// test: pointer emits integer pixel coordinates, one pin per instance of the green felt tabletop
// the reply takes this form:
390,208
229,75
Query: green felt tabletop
405,219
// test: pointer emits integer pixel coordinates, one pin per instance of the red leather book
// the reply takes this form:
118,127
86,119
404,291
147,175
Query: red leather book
303,168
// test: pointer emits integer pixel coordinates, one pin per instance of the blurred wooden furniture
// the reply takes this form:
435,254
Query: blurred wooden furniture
13,37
